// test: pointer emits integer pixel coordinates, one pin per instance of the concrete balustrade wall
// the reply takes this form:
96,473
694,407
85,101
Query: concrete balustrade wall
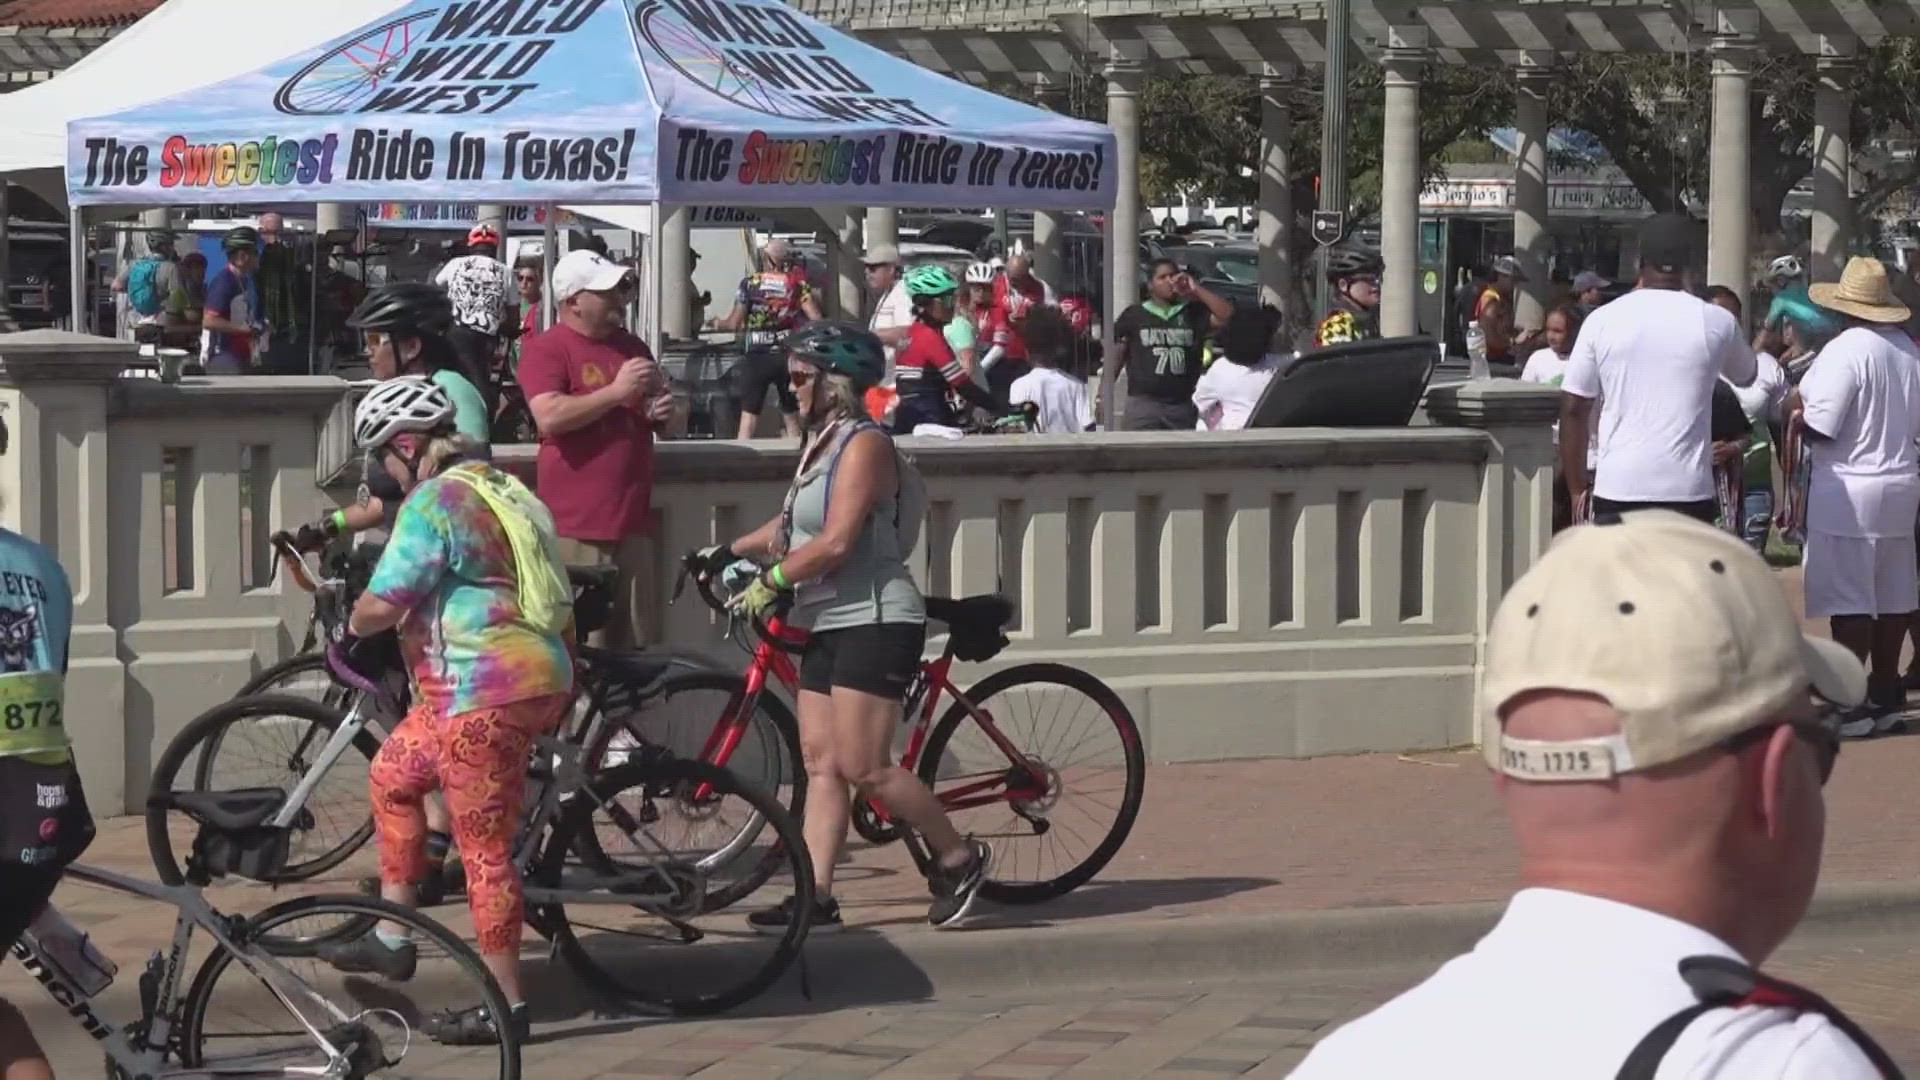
1274,593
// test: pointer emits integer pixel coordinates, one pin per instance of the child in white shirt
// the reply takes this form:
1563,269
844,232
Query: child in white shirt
1232,385
1547,367
1058,400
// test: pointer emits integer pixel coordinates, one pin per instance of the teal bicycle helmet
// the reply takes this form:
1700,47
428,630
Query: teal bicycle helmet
841,348
930,281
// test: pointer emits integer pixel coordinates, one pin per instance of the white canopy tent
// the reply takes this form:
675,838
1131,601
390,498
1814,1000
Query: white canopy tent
183,45
581,102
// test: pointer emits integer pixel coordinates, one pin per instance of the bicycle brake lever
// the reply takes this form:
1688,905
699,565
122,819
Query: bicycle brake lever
679,583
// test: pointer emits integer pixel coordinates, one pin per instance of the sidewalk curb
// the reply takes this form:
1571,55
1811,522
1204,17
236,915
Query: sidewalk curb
1000,956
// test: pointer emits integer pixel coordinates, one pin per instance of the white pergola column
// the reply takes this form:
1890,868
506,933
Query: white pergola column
883,227
1125,71
1404,60
1275,221
676,273
1832,159
1532,232
849,279
1049,258
1730,165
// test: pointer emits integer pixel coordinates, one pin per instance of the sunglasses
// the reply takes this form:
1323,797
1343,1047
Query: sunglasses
1821,738
798,379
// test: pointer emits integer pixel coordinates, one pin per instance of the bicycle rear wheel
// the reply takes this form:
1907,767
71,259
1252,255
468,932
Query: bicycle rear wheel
1090,797
687,716
664,950
268,991
269,740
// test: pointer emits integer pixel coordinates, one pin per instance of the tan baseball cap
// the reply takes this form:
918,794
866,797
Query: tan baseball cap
1681,628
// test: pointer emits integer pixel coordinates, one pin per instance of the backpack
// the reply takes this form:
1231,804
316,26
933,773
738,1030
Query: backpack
142,291
544,591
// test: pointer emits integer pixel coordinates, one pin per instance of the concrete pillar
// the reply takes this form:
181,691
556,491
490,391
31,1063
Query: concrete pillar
1730,172
676,273
1400,183
495,215
6,260
1049,255
1274,223
329,216
1532,235
848,278
1832,159
1125,72
883,227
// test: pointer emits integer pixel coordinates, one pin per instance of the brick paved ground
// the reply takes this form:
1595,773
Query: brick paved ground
1228,838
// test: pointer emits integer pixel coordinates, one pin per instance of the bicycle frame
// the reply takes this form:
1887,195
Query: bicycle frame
933,682
145,1055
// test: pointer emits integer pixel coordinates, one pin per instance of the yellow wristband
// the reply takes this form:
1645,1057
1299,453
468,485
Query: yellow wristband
778,578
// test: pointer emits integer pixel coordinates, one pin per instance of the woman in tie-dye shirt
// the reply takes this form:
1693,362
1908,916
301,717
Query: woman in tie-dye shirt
491,667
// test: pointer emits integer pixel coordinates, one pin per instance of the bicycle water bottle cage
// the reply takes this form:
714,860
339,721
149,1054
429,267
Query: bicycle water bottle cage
234,837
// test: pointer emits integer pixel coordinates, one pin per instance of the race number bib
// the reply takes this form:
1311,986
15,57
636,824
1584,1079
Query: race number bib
32,714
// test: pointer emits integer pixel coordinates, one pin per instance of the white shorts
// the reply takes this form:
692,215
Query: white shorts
1860,575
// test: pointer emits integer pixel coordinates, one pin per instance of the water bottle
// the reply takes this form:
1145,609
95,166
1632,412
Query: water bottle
64,948
1477,352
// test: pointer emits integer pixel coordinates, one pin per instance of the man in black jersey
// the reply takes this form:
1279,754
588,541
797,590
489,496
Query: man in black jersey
1161,339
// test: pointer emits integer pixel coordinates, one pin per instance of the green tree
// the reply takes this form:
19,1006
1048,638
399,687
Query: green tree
1200,137
1652,115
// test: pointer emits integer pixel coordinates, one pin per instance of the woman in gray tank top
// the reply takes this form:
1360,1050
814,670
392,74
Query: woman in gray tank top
840,549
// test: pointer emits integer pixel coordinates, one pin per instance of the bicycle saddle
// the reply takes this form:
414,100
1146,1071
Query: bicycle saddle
226,811
589,577
972,615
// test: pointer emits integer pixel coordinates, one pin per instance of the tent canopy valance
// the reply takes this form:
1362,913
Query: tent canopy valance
723,102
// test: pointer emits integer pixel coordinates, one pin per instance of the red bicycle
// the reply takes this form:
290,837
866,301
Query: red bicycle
1035,798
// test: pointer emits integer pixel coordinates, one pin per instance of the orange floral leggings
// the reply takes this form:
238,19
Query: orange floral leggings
479,759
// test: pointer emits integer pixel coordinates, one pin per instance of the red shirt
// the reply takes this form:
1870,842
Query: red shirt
1010,305
597,479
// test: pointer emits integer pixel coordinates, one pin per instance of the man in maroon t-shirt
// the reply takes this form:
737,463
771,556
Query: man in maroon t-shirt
598,398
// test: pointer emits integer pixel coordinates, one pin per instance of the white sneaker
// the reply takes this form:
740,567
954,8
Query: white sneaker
1891,724
1858,724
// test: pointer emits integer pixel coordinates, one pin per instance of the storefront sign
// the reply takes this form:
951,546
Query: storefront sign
1563,197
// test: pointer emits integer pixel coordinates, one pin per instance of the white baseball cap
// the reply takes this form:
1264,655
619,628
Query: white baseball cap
585,271
1678,625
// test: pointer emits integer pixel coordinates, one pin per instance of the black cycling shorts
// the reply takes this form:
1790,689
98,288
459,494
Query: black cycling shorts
755,372
880,659
44,825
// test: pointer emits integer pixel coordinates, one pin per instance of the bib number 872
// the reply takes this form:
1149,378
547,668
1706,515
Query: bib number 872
21,715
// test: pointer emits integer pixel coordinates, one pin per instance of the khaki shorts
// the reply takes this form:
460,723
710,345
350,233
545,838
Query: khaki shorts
634,620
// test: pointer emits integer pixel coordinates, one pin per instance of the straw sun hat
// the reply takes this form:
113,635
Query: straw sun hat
1863,292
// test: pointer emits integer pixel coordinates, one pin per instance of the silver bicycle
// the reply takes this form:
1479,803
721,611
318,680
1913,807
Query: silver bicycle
247,1011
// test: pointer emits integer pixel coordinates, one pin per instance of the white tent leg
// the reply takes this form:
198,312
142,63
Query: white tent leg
77,269
549,254
656,283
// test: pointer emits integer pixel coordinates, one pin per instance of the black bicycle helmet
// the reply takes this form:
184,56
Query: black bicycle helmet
406,307
841,347
1347,261
240,238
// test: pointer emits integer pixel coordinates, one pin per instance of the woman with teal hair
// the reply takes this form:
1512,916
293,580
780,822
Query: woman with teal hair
1795,331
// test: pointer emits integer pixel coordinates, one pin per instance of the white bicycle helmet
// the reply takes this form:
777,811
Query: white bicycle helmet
411,403
980,274
1786,268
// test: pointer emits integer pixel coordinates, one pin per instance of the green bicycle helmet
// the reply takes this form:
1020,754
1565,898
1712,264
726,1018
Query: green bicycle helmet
930,281
240,238
842,348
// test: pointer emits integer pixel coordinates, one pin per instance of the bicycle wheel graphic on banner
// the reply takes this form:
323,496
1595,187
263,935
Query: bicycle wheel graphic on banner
350,76
679,52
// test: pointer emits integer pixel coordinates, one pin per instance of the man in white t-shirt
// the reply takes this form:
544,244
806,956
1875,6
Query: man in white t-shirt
1646,710
893,309
1655,355
1861,405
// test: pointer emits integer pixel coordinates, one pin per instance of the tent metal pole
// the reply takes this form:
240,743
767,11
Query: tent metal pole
656,283
77,269
549,254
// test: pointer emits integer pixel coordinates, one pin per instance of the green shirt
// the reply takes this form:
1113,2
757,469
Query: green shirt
469,408
960,333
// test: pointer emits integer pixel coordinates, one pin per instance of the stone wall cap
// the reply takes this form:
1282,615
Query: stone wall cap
1484,403
226,395
63,356
1127,452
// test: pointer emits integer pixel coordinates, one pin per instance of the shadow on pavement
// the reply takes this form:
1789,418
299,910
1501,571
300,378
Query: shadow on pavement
1096,899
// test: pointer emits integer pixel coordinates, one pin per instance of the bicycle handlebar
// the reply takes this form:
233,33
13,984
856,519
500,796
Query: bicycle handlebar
690,570
293,561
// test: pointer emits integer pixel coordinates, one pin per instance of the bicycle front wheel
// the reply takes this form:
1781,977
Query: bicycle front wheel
269,740
635,921
701,716
1060,813
249,1011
